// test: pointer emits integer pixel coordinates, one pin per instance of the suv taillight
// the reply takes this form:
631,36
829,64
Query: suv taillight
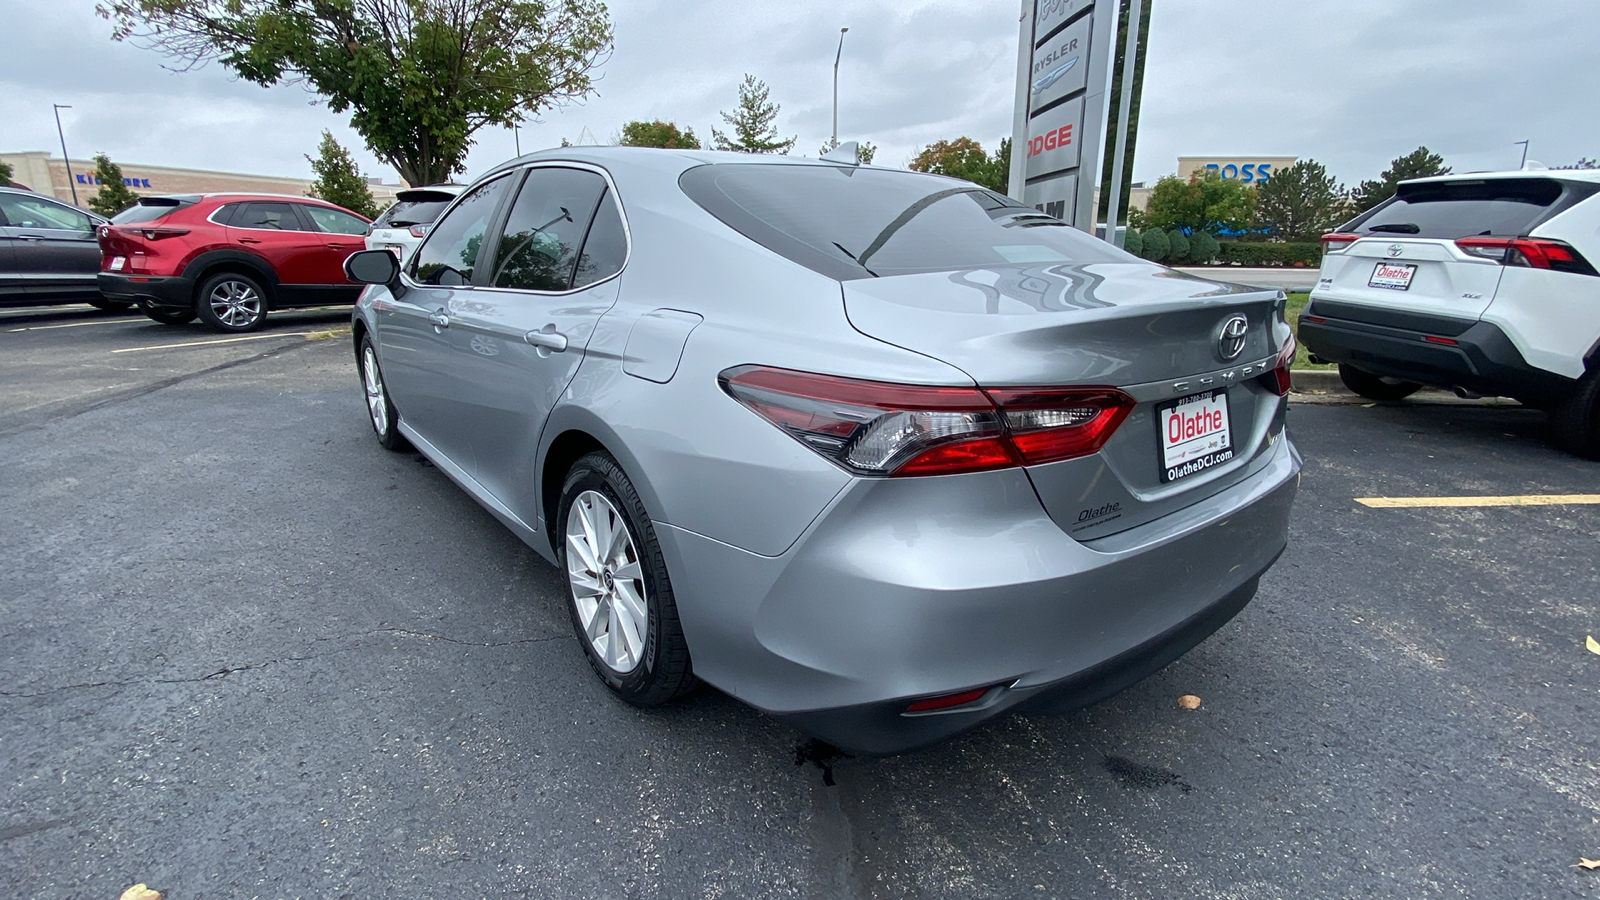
1536,253
419,231
1338,241
878,428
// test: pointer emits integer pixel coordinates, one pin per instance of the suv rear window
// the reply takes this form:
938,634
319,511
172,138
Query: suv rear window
149,209
847,222
1457,209
411,212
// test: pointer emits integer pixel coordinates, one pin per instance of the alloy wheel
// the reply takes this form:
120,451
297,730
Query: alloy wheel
607,581
372,381
236,304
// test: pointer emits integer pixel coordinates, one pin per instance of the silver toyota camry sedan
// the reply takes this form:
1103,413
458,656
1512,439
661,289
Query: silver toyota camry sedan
882,454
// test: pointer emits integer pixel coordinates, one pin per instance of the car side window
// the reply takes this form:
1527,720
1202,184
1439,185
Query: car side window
28,212
606,247
539,245
450,252
334,221
266,216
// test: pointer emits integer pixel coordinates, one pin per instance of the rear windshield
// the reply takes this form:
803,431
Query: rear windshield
1457,209
847,222
148,209
411,212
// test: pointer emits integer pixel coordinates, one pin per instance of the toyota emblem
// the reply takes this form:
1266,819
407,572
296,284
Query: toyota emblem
1396,249
1230,338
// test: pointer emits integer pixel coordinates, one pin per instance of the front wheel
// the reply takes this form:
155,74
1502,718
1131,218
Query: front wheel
618,592
1376,387
1576,421
232,302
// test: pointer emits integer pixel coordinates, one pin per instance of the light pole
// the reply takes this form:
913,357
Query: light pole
836,57
1524,152
64,157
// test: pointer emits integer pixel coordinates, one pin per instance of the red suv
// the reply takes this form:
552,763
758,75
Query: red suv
228,258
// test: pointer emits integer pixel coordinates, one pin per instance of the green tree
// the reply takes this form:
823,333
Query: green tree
1178,246
5,174
1203,248
113,196
420,76
1301,202
752,122
339,180
1132,241
1419,163
965,158
1583,162
639,133
1206,203
1155,244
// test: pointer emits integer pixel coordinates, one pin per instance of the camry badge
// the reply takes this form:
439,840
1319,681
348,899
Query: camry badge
1230,338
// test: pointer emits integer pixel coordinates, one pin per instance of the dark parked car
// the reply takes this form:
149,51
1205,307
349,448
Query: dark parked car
229,258
48,252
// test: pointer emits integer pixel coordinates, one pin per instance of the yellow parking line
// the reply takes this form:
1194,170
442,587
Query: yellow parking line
252,337
1517,500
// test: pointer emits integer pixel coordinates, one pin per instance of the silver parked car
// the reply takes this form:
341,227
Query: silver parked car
882,454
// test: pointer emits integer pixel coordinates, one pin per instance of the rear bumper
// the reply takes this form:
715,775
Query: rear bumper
148,290
1481,360
919,587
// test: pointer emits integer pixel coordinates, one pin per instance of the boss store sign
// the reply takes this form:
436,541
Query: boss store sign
1061,109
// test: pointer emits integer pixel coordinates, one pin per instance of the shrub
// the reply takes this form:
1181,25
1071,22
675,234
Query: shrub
1179,247
1270,253
1203,248
1156,246
1131,242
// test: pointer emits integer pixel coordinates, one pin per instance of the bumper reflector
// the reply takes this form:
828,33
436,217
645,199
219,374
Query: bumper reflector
946,701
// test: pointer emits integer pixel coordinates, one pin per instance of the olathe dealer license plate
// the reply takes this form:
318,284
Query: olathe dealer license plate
1194,435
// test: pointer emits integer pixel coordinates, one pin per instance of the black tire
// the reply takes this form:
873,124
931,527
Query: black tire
381,414
168,315
231,302
1576,420
110,306
662,671
1376,387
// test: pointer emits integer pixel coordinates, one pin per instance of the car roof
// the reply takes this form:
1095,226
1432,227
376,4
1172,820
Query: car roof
611,157
1589,176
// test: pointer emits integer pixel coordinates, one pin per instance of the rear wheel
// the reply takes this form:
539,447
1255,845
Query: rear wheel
1576,421
618,592
232,302
1376,387
167,315
111,306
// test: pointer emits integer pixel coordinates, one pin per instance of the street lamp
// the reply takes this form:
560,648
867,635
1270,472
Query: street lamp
836,56
64,157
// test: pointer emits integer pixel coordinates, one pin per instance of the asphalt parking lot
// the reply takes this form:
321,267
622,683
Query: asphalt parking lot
248,653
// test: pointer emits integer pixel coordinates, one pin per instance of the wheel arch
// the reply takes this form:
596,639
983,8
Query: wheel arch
237,261
571,432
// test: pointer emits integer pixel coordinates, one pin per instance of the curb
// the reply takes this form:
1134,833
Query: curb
1316,380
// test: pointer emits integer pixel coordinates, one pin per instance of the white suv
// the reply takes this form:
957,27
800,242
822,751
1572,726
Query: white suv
401,227
1479,283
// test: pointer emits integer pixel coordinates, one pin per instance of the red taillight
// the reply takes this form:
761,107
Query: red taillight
1279,378
1450,342
156,234
1535,253
877,428
418,231
946,701
1314,319
1337,241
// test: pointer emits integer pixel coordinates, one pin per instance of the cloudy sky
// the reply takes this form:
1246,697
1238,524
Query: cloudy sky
1351,83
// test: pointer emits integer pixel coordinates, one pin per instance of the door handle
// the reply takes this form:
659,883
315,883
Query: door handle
332,246
248,241
31,237
547,338
439,319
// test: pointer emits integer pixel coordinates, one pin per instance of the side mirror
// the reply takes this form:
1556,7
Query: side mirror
372,267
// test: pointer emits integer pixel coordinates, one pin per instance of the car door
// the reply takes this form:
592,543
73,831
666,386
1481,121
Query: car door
272,230
53,247
11,287
521,335
341,234
414,341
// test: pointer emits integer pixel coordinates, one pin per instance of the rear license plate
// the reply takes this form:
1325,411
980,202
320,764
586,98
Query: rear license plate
396,249
1392,276
1194,435
117,262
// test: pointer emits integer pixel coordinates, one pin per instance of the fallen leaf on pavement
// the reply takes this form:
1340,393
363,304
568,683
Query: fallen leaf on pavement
140,892
1587,863
1189,701
1592,644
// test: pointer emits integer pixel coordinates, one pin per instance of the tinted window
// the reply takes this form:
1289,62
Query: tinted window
606,247
544,231
266,216
848,222
450,252
31,212
149,209
1454,209
335,221
404,213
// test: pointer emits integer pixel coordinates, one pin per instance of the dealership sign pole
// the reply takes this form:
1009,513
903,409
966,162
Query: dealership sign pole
1065,50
